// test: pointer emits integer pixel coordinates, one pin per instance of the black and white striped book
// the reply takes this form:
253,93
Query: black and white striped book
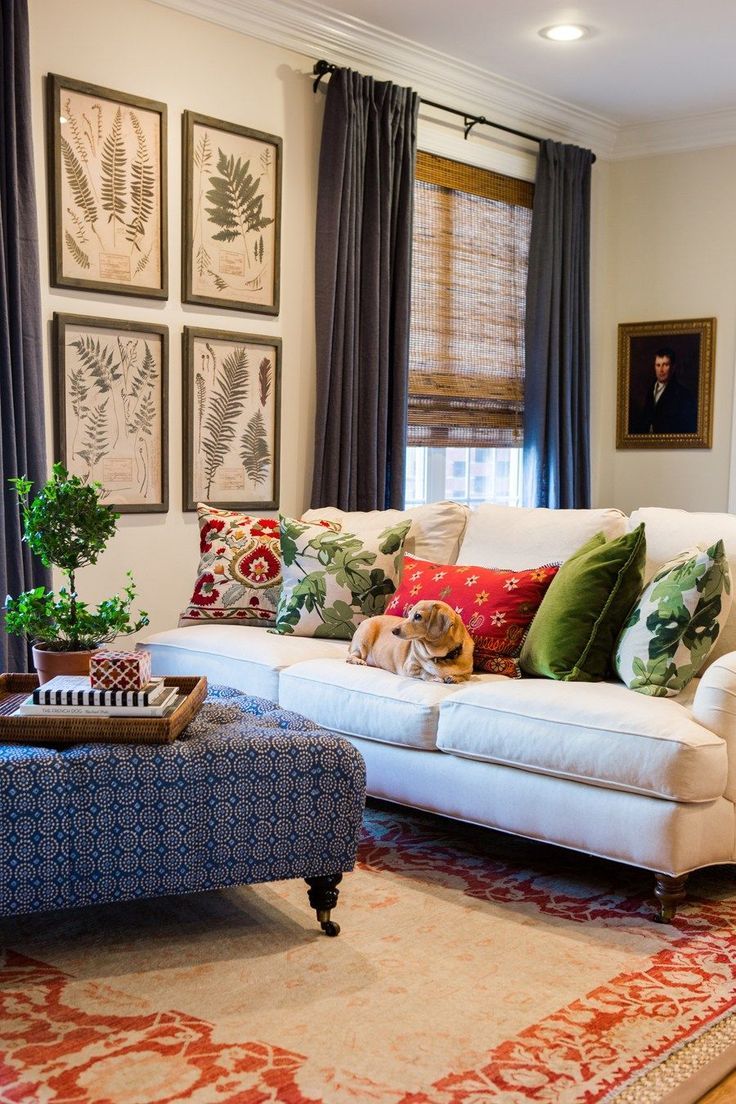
76,690
164,705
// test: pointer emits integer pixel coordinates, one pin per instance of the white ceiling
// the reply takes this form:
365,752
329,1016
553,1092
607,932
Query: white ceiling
645,60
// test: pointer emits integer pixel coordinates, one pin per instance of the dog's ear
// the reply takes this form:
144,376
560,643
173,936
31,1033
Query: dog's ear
439,622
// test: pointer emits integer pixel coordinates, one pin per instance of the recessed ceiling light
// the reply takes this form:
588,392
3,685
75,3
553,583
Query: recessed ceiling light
564,32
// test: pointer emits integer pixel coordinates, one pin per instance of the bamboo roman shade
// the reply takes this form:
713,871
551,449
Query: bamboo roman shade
469,265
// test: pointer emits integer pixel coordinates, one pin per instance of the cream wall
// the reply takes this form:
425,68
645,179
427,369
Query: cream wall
670,244
187,63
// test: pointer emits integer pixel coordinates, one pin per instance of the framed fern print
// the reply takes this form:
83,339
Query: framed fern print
232,215
107,162
111,408
232,419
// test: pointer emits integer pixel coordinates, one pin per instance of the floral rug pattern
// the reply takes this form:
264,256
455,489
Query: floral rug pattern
470,968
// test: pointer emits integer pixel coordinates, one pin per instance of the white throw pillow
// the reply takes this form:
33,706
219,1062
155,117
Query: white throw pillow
435,534
518,537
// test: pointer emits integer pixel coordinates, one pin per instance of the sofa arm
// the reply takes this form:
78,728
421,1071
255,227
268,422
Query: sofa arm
714,707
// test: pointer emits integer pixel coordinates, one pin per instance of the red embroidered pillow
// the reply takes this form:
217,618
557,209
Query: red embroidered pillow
497,607
239,576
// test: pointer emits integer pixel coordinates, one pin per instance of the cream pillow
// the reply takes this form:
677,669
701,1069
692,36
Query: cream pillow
436,531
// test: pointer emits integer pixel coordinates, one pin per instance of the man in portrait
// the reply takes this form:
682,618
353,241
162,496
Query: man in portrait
668,406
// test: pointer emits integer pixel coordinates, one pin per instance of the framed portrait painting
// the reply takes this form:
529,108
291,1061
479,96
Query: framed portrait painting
231,251
111,408
231,419
665,384
107,187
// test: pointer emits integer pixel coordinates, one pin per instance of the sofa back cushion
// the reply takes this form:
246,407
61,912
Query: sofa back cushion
518,537
669,531
435,534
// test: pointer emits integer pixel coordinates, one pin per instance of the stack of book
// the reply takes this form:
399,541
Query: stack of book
73,695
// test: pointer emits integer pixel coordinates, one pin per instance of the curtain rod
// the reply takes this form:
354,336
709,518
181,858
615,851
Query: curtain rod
322,68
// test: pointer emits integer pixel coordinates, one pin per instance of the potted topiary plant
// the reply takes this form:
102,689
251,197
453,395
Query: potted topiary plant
67,526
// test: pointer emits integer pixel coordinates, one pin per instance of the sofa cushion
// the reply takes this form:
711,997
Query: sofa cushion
518,536
675,624
435,534
333,581
577,625
496,607
596,733
243,656
367,701
669,531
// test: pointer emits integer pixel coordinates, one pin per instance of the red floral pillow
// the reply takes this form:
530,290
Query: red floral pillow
239,576
497,606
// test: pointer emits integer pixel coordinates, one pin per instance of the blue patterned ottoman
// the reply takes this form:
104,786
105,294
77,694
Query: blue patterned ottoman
248,793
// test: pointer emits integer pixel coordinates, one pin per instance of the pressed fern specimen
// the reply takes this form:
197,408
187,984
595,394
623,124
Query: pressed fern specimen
224,408
254,450
76,251
264,380
143,261
203,261
99,361
95,442
236,202
146,375
141,187
220,284
79,184
112,172
201,400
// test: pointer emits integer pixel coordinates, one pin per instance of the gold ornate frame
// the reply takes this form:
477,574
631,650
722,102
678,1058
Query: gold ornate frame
693,340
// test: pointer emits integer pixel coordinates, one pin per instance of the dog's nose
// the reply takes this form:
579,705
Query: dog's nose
396,631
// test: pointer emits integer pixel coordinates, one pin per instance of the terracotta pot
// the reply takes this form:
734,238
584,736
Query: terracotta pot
49,664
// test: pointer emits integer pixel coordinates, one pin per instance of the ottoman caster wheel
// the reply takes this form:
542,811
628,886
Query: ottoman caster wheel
323,894
329,927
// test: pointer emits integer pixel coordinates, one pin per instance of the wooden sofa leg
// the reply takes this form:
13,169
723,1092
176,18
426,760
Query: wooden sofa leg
669,890
323,894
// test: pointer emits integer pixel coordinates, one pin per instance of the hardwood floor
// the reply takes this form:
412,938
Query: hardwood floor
725,1093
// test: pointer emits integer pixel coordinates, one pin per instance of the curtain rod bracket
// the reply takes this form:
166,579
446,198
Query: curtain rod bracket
473,120
320,70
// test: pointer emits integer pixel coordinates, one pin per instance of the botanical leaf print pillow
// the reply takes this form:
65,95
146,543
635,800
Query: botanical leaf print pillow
675,623
333,581
239,574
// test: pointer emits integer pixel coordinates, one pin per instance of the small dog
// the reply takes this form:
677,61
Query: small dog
430,643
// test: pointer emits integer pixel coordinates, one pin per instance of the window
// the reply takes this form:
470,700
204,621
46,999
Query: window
466,356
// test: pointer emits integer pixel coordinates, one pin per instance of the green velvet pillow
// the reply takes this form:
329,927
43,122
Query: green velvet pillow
574,633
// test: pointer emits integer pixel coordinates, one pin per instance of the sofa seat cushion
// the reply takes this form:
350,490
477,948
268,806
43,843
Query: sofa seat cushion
243,656
597,733
369,702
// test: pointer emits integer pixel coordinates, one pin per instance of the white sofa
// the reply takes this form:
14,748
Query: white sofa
591,766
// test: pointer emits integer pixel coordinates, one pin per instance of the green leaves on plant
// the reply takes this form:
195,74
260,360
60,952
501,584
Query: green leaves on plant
64,623
226,403
254,450
112,171
236,204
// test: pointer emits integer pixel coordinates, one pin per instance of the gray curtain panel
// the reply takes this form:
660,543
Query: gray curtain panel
363,280
557,333
21,373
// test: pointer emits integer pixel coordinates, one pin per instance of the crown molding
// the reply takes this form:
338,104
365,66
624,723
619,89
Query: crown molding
689,132
316,30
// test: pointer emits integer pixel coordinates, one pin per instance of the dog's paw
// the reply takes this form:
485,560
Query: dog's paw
356,659
450,678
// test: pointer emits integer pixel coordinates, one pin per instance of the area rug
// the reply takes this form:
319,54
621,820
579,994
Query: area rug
471,967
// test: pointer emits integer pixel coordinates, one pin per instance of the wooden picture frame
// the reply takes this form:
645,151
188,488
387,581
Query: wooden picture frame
232,419
111,407
227,261
107,190
665,384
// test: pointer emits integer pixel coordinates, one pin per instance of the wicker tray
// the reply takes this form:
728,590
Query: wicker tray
76,729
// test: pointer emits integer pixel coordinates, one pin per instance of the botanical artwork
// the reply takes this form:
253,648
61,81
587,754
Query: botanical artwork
232,212
233,409
108,204
111,412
